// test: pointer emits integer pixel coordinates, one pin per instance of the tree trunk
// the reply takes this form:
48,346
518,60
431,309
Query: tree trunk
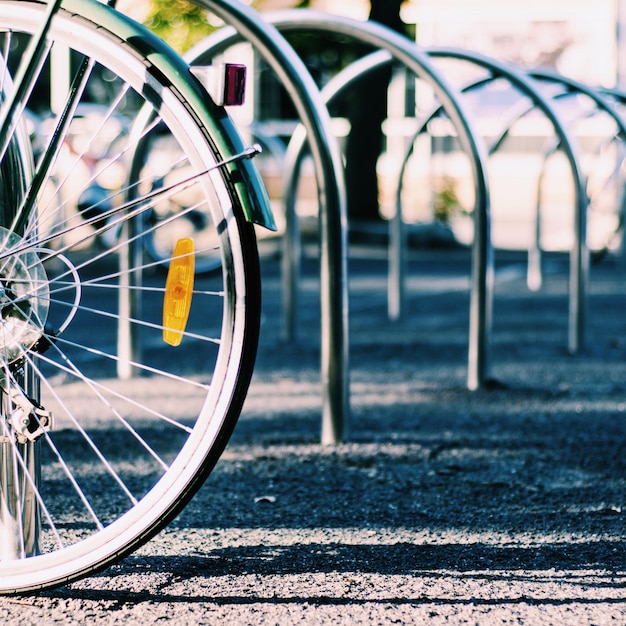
368,110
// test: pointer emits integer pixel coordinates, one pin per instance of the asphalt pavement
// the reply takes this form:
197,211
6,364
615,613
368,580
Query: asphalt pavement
503,505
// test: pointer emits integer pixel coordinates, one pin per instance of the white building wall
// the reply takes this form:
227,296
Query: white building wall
578,37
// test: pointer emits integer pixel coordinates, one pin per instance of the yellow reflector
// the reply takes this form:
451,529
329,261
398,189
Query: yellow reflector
178,292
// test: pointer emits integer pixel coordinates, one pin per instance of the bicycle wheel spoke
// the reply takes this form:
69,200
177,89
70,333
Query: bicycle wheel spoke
91,386
134,207
107,427
8,40
149,411
32,60
71,475
51,214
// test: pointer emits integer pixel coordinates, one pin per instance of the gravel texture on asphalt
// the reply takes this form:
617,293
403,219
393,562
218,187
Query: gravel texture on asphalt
443,506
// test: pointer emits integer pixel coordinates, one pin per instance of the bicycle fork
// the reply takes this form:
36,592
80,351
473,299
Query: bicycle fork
20,517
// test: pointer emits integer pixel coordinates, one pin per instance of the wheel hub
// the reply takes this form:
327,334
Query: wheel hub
24,297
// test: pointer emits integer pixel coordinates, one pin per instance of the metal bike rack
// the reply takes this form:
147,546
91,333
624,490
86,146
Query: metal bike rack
293,162
478,369
407,53
248,25
571,88
617,98
579,255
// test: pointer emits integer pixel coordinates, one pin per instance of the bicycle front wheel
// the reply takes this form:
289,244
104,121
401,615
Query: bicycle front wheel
119,384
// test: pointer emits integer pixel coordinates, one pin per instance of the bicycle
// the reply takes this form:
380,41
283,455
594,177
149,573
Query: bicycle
119,387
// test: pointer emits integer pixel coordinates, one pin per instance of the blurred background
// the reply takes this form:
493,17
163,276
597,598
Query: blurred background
577,38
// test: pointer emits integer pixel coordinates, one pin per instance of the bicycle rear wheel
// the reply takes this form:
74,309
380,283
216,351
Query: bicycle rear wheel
119,385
